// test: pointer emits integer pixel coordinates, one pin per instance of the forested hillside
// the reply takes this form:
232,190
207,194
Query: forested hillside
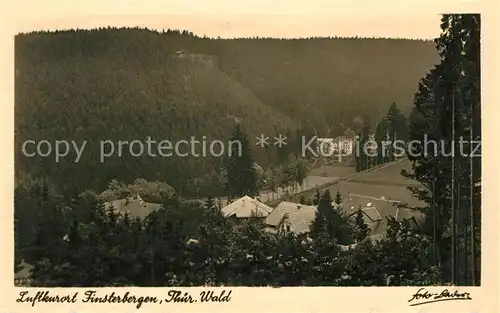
130,84
328,82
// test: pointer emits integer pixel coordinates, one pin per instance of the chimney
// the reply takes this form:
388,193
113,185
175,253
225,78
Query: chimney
141,202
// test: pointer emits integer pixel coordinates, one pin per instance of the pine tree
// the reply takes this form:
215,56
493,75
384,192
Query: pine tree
362,230
358,152
371,144
241,173
327,233
383,149
210,205
317,197
328,222
73,272
392,128
365,157
338,198
397,126
323,216
405,258
301,171
363,266
447,107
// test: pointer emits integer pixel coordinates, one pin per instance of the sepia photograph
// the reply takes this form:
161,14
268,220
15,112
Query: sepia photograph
248,152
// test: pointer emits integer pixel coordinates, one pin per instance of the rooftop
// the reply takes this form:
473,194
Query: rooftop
245,207
285,208
302,219
134,206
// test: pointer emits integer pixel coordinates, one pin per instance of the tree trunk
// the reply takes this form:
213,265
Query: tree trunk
453,217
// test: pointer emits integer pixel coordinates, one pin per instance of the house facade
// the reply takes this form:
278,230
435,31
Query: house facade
344,145
339,146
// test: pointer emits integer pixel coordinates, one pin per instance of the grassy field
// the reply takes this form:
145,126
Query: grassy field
333,171
399,193
390,175
386,182
378,186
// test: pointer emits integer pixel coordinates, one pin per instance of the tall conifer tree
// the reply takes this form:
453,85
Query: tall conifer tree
447,109
241,173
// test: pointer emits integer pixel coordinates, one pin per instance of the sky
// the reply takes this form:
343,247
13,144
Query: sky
238,18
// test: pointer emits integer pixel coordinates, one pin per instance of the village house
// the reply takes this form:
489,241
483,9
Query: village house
376,211
299,222
244,208
340,146
291,217
343,145
134,206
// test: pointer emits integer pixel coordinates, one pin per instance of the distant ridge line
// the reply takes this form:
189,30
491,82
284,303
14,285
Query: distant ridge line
178,32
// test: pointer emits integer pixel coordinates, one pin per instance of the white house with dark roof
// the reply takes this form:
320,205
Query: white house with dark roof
246,207
344,145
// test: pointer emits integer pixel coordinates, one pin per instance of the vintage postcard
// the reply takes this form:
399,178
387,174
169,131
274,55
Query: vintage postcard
241,156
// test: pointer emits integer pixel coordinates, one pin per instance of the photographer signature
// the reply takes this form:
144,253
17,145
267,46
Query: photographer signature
445,295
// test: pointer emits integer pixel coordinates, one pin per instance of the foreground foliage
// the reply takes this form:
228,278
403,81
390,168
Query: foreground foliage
81,244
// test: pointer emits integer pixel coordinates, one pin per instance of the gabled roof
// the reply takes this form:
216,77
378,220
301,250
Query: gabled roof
405,213
371,217
372,214
283,208
245,207
302,219
134,206
376,210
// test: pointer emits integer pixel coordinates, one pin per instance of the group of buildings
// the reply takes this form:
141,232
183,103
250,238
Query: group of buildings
286,217
298,218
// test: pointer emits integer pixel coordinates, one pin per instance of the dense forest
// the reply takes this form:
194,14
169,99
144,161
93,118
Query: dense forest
130,84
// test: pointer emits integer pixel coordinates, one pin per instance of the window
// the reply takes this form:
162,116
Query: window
288,228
